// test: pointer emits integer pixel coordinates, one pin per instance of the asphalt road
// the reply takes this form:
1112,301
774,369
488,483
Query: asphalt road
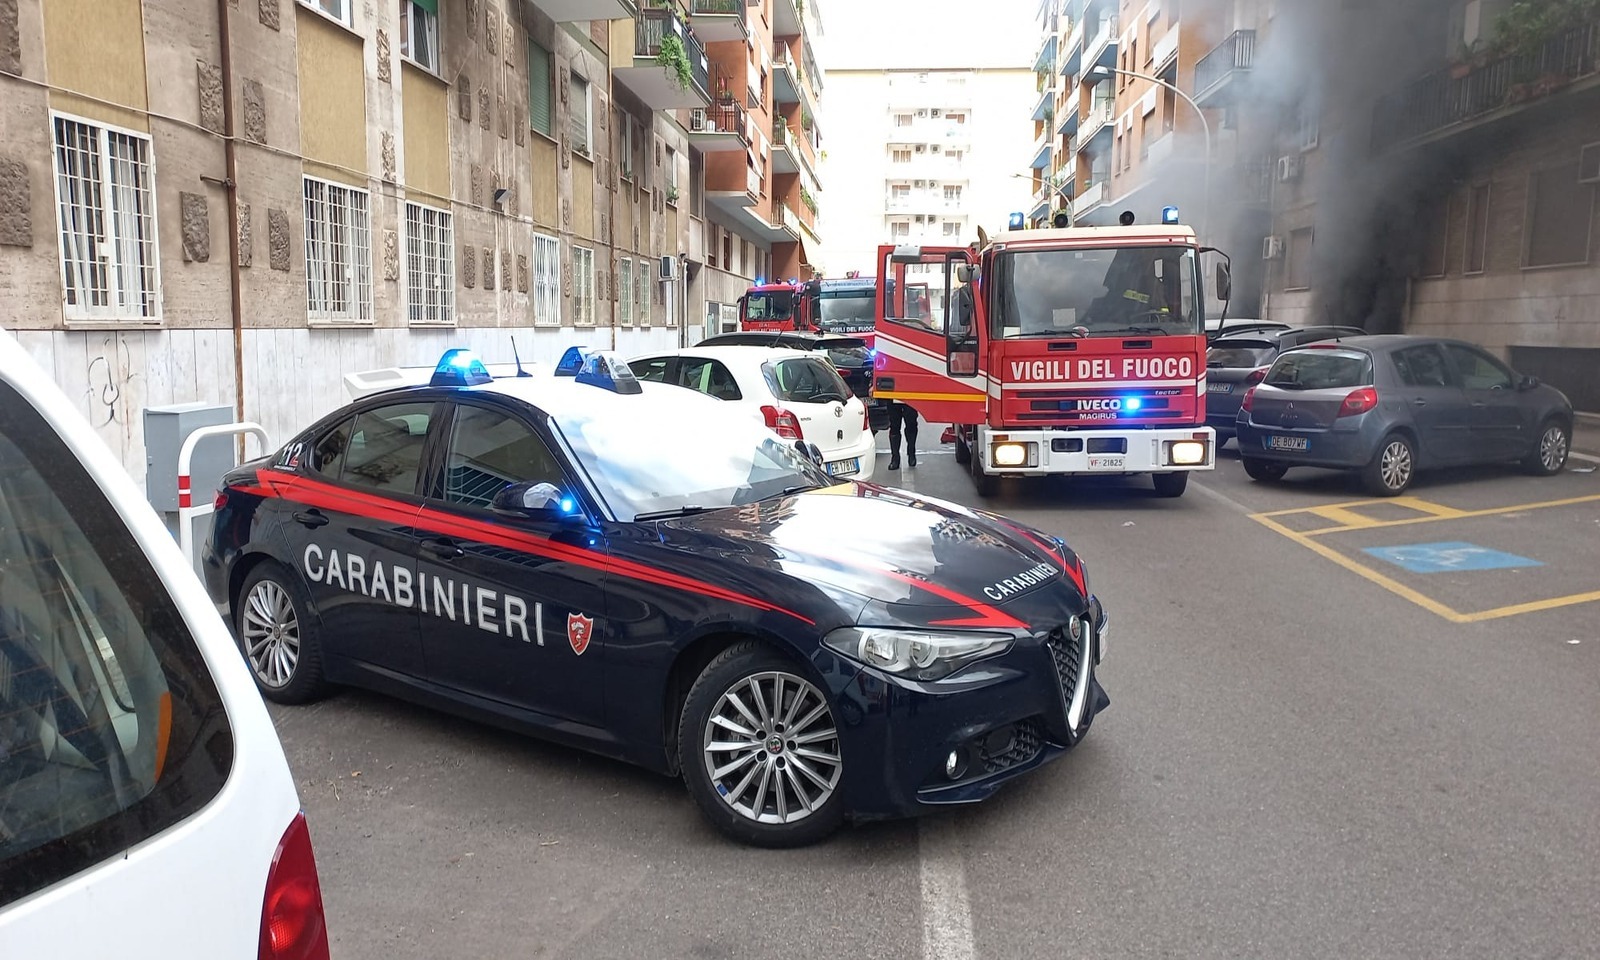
1303,758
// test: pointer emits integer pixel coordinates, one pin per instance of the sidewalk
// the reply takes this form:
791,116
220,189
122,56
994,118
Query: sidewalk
1586,437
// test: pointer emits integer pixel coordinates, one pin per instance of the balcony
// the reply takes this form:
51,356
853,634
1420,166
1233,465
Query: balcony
1071,56
1093,195
786,18
1158,150
1042,149
1166,48
1069,118
1045,109
652,82
787,155
930,130
720,127
1097,121
786,81
567,11
1046,60
1101,50
719,20
1433,105
1222,70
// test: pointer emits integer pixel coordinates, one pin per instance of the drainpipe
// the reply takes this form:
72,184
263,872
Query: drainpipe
231,155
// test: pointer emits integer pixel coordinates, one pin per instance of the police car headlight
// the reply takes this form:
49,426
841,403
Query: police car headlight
917,654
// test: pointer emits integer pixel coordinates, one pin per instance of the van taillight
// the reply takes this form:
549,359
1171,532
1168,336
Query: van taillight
1358,402
782,421
293,926
1249,400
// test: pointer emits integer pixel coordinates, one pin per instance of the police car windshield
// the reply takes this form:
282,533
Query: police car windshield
1096,293
644,465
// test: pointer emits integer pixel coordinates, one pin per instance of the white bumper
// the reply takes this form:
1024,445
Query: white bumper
864,450
1061,452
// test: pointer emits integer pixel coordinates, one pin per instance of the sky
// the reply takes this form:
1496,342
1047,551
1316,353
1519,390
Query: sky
927,33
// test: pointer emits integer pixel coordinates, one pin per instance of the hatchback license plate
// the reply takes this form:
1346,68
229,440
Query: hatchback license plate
1288,443
837,467
1219,387
1106,463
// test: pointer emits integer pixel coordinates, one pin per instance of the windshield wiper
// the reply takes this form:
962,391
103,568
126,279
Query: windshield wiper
685,511
1160,330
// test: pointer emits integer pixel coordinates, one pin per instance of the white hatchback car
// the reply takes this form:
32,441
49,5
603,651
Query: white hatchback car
797,393
146,807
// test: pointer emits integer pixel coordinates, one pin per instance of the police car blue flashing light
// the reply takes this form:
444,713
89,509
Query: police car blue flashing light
572,361
1169,215
459,368
1017,221
609,372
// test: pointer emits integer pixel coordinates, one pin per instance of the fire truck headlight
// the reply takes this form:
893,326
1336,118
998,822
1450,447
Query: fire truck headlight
1188,453
1010,454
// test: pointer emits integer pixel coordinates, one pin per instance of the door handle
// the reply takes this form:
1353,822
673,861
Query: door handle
311,519
1478,405
1420,402
443,549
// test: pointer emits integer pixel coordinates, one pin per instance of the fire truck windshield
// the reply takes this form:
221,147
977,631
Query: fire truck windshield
846,311
769,305
1152,291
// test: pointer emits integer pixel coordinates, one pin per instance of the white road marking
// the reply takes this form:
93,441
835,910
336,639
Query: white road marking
946,912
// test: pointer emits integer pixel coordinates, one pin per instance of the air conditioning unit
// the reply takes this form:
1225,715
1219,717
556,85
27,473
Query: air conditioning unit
697,120
1272,248
1589,164
922,148
921,184
669,268
1290,168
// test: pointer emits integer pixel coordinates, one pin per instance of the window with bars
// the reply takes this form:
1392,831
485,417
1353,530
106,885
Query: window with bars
430,265
419,33
546,280
625,294
541,88
337,9
901,156
641,293
580,129
583,286
338,252
106,206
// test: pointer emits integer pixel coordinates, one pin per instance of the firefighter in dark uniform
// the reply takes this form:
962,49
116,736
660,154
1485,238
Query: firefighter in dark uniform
898,413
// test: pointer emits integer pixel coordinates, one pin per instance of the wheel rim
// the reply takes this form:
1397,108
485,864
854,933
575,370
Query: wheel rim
1395,467
271,634
1553,448
771,748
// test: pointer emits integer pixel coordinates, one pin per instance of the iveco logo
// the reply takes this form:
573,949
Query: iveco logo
1100,404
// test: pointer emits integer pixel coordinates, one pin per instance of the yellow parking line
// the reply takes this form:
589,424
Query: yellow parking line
1532,606
1457,514
1423,506
1348,505
1345,519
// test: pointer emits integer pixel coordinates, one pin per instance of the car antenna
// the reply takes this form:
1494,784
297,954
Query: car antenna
515,356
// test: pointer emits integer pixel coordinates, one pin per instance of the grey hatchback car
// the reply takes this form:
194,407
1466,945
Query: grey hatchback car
1236,362
1388,406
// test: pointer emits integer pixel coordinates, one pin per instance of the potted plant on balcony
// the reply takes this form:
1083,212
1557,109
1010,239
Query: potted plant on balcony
675,60
672,194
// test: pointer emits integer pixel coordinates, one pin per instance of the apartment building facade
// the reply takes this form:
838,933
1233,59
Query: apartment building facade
238,202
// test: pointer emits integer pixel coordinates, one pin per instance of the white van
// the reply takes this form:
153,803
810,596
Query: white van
146,808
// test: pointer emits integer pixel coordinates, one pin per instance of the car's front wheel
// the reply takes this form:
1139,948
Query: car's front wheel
759,748
1393,468
1264,470
278,637
1550,454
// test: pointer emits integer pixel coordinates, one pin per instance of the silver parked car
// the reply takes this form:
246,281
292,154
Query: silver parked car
1388,406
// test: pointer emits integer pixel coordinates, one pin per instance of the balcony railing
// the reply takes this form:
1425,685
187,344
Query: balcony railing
752,181
733,7
725,116
1092,195
1454,95
1104,41
655,23
1100,114
1237,54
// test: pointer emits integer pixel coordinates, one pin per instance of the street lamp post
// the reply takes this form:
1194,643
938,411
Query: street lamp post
1106,73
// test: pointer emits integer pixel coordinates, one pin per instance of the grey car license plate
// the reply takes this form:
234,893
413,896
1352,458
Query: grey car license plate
1276,442
1219,387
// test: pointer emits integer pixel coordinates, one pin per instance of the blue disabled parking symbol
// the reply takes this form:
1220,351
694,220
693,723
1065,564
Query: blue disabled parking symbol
1449,557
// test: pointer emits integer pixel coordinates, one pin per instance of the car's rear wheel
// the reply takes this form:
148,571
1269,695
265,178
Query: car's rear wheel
1170,484
963,450
760,750
1264,470
278,637
1393,468
1550,454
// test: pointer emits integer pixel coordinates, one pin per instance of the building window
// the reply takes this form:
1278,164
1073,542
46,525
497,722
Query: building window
338,252
581,130
1560,214
955,156
1298,271
641,294
625,291
541,91
1434,255
629,134
1477,229
900,230
669,172
546,280
902,119
430,265
583,286
901,156
952,195
952,228
106,206
337,9
1304,126
900,191
958,118
419,33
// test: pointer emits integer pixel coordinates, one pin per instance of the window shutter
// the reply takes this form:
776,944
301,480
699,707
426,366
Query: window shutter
540,109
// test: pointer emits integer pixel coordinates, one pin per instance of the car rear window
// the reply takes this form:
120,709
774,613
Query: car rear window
848,354
111,729
1246,354
805,380
1314,369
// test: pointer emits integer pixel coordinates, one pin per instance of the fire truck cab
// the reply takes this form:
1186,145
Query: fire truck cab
843,306
1055,352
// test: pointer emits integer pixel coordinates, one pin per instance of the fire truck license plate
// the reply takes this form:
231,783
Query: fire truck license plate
1106,463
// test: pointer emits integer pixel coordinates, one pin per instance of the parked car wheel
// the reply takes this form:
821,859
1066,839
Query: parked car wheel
759,749
1264,470
1393,467
1554,446
278,636
1170,484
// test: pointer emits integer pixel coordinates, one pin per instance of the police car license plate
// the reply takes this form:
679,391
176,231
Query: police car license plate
1106,463
1287,443
837,467
1219,387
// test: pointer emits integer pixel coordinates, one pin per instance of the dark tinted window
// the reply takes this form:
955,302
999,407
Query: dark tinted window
709,377
1314,369
111,729
804,380
654,370
1478,370
1422,366
1240,354
386,447
848,353
327,454
489,450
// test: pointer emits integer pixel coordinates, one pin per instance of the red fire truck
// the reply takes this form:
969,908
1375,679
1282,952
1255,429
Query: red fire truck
844,306
1055,352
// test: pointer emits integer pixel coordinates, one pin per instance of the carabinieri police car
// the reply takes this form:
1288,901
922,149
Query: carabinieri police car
632,569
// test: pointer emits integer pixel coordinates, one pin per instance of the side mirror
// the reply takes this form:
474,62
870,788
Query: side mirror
810,451
1527,383
535,501
1224,282
966,272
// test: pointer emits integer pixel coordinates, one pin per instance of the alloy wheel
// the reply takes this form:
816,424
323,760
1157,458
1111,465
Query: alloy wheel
271,633
771,748
1395,467
1553,448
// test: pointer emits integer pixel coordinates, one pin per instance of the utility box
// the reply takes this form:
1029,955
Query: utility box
165,429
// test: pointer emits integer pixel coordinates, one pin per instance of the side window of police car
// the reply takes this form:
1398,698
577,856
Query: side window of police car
380,449
490,450
111,730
